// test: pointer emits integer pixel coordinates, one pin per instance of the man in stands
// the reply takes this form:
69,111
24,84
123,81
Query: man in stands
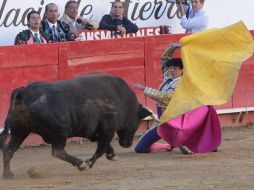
194,18
76,23
56,30
33,35
115,21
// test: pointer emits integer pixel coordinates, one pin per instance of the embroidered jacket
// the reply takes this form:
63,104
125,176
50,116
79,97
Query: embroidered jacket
167,88
63,30
164,94
26,37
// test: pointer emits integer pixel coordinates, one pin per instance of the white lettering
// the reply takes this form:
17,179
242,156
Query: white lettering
97,35
132,34
149,32
157,31
106,35
140,33
89,36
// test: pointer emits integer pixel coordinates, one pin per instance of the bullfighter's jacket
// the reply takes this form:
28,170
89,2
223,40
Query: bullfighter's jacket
163,96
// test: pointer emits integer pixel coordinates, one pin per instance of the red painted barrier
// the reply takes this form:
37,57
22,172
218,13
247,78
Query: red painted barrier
134,59
20,65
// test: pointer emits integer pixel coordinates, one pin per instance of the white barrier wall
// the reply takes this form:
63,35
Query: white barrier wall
145,13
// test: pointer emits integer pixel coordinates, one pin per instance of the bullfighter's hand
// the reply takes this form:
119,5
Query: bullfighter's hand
139,86
175,45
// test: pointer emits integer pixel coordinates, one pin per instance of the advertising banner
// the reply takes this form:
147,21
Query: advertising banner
145,13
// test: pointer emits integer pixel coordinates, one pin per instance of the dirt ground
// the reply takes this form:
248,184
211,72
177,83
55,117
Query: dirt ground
232,168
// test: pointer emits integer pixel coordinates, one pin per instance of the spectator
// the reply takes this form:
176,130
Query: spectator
196,131
55,30
115,21
193,19
76,23
33,35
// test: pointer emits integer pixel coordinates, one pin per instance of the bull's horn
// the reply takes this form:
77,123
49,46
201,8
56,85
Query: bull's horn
153,116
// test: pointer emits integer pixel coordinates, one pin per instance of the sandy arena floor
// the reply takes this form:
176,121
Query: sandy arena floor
231,168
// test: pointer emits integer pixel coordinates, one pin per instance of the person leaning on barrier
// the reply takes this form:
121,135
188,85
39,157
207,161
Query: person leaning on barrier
33,35
54,29
194,18
115,21
76,23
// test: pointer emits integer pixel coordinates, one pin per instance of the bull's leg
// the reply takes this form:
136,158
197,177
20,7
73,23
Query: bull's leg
59,152
106,135
110,153
9,149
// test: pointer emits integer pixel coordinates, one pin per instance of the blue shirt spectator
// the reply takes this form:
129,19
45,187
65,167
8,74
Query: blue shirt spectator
196,20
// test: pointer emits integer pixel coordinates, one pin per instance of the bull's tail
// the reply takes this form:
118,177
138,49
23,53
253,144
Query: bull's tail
15,95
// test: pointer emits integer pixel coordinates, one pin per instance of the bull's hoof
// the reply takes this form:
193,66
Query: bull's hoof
8,175
82,166
112,157
89,163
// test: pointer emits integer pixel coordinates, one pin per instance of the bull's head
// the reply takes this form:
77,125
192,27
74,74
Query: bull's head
126,134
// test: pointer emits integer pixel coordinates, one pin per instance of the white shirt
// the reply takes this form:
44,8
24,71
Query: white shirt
38,33
196,23
51,25
170,86
74,26
55,31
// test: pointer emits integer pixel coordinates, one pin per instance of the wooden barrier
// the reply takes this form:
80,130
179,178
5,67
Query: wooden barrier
134,59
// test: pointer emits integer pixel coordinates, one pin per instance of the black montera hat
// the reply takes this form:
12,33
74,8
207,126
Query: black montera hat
174,62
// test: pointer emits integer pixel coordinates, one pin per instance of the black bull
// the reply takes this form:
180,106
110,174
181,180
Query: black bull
93,106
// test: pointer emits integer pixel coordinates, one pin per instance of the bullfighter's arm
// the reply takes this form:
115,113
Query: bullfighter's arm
162,97
168,53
